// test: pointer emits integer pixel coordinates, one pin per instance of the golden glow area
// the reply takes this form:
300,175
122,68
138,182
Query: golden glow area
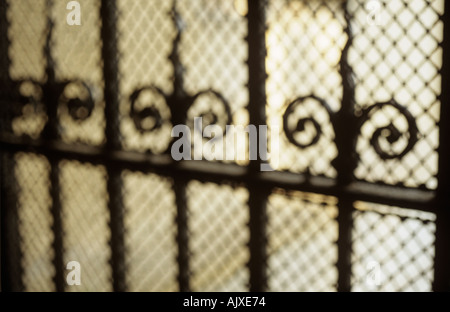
400,59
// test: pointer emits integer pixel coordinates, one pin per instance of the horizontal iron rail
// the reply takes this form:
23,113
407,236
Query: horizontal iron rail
206,171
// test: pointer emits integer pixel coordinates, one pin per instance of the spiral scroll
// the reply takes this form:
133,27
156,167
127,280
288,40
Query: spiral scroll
340,120
301,124
73,95
391,132
148,118
26,93
211,117
77,97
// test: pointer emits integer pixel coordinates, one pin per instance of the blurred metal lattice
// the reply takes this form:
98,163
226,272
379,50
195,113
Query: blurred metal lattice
302,231
28,30
145,33
305,40
393,249
399,56
34,201
213,51
76,57
85,223
147,41
150,238
218,218
354,88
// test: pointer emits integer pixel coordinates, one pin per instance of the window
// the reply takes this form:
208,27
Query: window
353,94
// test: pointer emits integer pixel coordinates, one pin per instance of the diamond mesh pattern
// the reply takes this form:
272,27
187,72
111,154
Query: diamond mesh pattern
214,51
27,18
213,35
399,241
218,218
85,224
304,42
27,33
145,41
150,237
77,54
302,233
401,59
32,176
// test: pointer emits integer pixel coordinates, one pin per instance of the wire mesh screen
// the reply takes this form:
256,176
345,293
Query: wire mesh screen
305,40
76,54
393,245
218,216
400,60
85,223
150,239
350,91
34,201
302,242
146,34
212,40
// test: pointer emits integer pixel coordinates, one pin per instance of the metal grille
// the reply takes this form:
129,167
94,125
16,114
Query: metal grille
33,204
85,223
355,90
218,236
400,241
400,61
311,59
150,238
302,231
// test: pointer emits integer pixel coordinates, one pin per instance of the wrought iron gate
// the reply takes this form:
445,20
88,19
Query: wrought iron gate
356,202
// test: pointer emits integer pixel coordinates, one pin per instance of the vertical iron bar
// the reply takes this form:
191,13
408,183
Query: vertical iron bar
344,244
11,255
441,281
5,63
50,134
257,105
178,105
11,269
179,187
116,207
57,227
5,193
346,136
174,57
110,55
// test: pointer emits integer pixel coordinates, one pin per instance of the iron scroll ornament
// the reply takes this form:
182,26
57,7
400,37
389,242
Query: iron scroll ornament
28,92
75,96
178,106
149,118
390,132
346,116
